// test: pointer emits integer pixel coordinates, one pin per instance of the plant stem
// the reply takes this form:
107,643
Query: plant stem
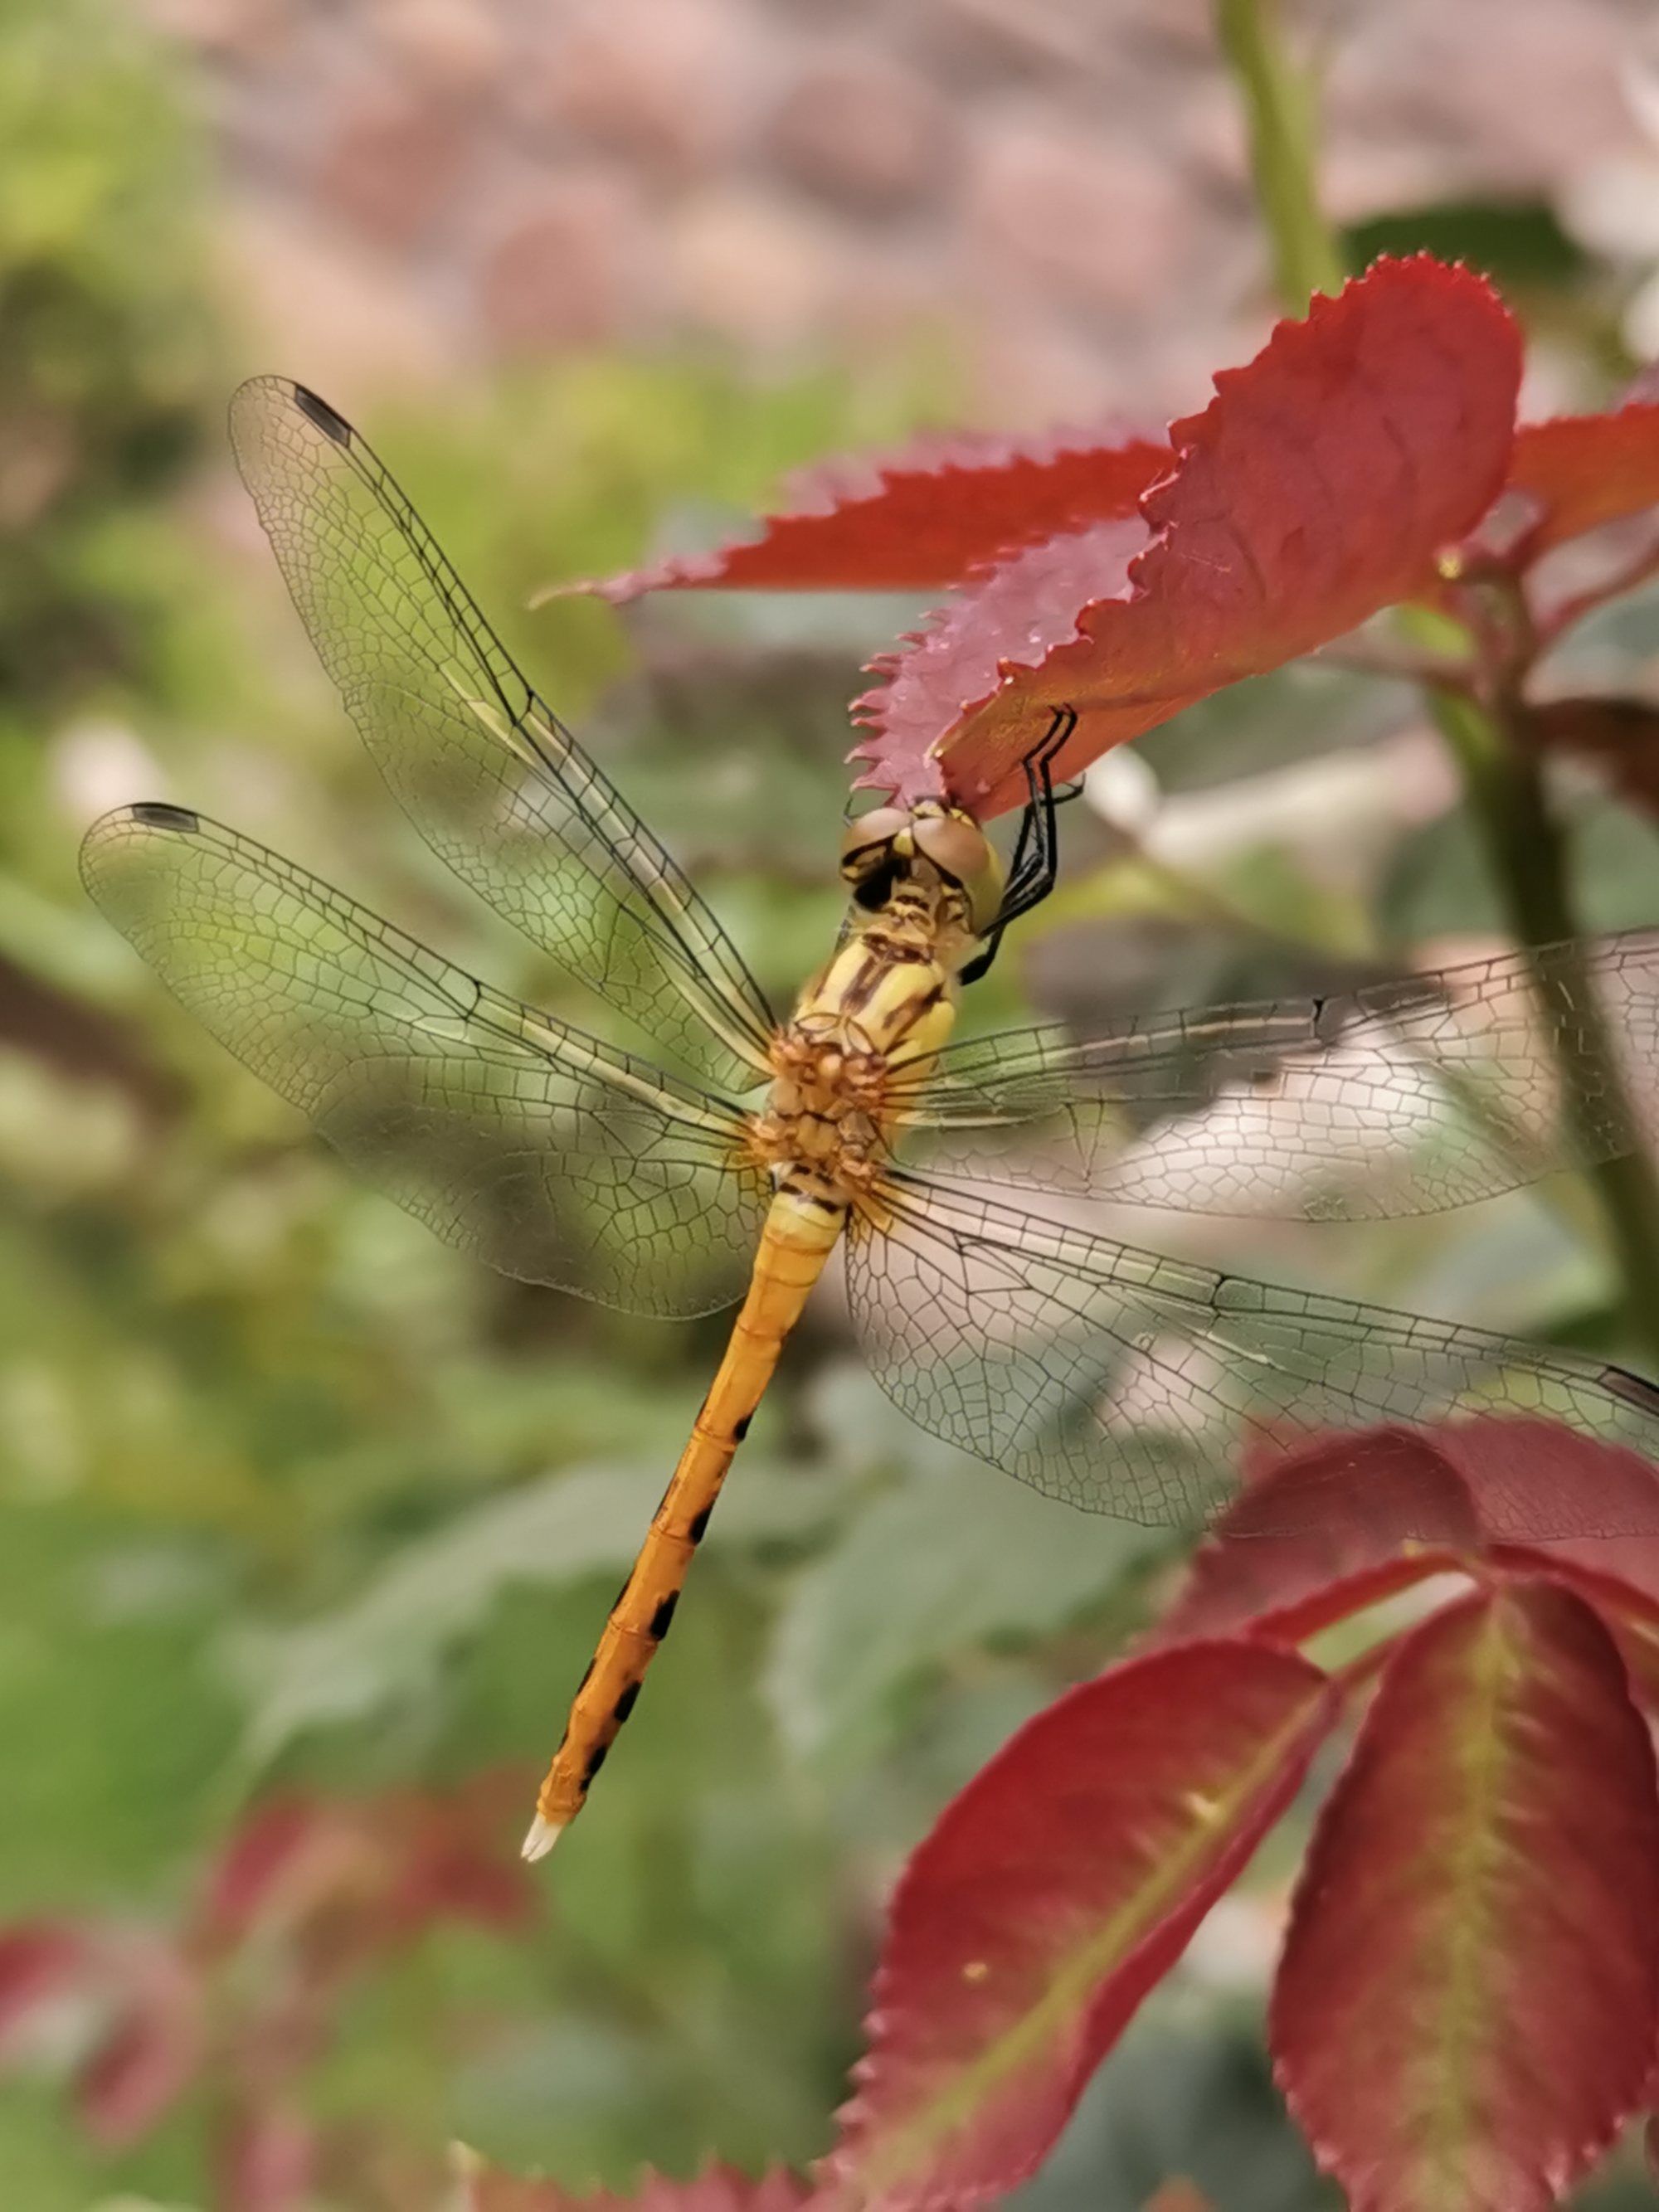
1504,788
1492,744
1279,110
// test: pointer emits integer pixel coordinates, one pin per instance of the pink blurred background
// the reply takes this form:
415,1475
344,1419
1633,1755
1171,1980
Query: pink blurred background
1053,194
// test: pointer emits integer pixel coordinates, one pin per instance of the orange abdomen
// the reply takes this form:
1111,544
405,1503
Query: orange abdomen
800,1234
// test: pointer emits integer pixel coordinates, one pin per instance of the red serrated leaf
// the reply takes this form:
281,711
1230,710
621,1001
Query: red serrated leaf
1524,1475
716,2189
1375,1511
1316,488
1578,471
1415,1518
919,519
1059,1885
1469,1996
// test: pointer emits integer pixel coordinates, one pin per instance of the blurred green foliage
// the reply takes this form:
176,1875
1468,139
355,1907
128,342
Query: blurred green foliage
290,1491
109,348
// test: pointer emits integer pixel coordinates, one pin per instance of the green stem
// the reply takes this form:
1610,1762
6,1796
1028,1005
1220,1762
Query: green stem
1504,788
1279,110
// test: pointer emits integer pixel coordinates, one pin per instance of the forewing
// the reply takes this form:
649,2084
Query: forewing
490,778
516,1138
1133,1385
1401,1098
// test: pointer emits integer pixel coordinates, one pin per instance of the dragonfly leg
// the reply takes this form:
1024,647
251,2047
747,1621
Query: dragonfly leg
1034,861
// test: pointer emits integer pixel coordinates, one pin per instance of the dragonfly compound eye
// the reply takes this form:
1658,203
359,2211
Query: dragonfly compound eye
960,851
868,860
866,843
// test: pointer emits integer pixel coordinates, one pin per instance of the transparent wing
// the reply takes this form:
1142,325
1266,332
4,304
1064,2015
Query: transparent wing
1401,1098
550,1157
495,785
1129,1385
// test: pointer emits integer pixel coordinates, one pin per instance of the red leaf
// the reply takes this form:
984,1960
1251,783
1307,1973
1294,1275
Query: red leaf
398,1860
40,1961
453,1856
153,2045
1584,470
1375,1511
1469,1994
1629,1615
1371,1514
1066,1878
1525,1475
150,2055
716,2189
1317,487
926,517
261,1857
265,2162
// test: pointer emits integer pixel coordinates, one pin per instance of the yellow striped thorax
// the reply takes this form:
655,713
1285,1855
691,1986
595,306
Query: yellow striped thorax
869,1024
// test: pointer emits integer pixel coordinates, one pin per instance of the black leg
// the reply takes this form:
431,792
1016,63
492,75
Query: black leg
1032,874
1034,861
981,963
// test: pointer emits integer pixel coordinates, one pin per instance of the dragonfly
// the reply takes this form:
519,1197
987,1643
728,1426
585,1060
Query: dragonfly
726,1165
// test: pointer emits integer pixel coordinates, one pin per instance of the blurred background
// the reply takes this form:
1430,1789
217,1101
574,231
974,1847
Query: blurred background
306,1524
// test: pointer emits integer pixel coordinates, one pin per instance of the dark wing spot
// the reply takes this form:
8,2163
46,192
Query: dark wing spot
330,424
663,1616
1635,1389
1327,1020
156,814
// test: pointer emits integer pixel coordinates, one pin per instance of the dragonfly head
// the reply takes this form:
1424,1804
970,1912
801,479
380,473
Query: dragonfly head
895,844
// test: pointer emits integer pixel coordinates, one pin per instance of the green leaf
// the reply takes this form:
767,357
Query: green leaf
953,1561
1519,243
114,1736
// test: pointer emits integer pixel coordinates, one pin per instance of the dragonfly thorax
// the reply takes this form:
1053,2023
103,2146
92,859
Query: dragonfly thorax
828,1107
865,1029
